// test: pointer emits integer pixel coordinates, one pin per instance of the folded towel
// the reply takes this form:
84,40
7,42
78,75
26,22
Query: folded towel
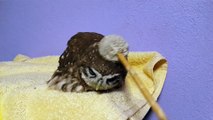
24,94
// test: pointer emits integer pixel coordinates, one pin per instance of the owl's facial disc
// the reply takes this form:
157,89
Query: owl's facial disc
98,82
110,45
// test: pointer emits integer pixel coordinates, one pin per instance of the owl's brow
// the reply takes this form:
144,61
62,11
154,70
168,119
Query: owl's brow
111,75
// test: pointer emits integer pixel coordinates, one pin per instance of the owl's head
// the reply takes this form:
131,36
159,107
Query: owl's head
104,70
90,63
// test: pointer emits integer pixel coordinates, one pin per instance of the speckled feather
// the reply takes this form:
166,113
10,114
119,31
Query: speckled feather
82,52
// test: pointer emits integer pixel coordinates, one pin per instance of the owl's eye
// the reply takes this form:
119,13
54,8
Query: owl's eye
112,80
92,73
89,72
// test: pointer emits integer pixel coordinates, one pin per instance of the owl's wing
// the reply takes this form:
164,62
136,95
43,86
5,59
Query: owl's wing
66,58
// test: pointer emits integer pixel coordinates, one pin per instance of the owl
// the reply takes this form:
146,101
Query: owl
89,63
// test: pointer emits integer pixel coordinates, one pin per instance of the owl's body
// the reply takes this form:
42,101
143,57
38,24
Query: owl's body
82,68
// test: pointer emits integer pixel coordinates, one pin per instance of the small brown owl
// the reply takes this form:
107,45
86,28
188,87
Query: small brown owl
90,63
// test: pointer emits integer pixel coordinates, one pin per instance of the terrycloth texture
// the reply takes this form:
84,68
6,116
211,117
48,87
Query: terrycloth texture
24,94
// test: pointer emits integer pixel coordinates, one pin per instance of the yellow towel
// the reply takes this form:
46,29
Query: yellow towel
24,94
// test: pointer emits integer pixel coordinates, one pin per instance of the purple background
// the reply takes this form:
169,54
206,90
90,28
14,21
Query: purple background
181,30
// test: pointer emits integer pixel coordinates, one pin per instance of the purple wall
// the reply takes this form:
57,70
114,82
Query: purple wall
181,30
